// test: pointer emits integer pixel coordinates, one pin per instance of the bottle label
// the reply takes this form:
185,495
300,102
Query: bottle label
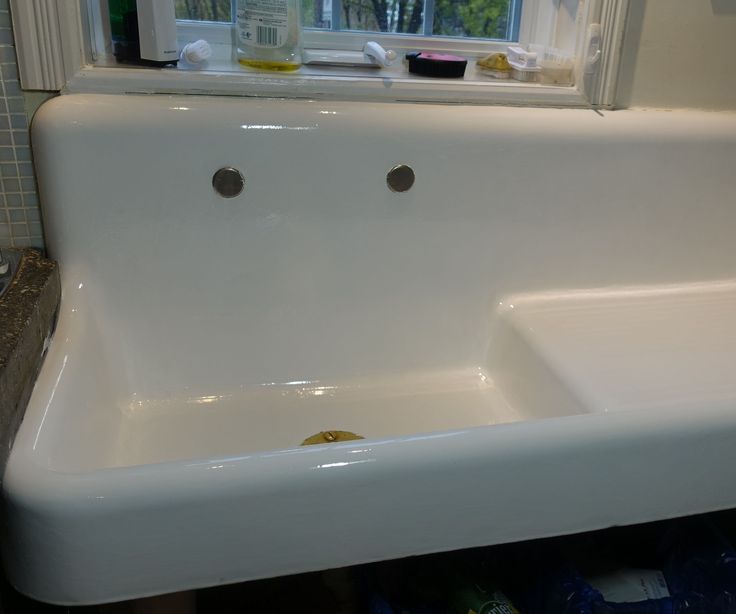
263,23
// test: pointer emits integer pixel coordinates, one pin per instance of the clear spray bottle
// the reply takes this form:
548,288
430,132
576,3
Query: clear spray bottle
268,34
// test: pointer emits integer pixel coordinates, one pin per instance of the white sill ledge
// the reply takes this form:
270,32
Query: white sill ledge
319,82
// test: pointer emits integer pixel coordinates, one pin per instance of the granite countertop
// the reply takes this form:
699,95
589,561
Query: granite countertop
28,311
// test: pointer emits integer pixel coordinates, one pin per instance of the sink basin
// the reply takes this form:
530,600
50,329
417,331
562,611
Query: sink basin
524,354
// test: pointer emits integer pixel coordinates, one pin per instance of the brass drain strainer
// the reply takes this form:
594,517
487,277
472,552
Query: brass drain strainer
330,437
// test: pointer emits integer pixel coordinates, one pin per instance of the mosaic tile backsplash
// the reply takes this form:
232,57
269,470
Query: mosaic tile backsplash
20,220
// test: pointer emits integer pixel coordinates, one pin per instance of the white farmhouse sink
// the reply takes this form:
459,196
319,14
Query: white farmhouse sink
538,338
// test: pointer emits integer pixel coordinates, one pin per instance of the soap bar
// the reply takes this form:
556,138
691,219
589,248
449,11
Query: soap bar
436,64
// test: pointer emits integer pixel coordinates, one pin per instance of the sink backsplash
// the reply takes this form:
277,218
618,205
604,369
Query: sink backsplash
20,223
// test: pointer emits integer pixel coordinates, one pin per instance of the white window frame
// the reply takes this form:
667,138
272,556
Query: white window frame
54,54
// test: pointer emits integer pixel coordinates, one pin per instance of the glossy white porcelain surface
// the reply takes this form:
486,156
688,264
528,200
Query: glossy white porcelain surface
649,347
201,339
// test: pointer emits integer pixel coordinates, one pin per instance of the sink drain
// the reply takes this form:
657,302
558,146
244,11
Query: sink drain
330,437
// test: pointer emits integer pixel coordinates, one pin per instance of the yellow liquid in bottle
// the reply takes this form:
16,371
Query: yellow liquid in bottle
269,65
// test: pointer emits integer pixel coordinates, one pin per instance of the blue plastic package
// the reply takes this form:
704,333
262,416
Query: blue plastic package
697,562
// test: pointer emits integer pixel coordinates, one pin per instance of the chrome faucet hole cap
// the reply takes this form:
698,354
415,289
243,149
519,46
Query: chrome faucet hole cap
400,178
228,182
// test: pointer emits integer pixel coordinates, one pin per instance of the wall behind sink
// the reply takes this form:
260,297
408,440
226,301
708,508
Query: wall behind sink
20,224
677,53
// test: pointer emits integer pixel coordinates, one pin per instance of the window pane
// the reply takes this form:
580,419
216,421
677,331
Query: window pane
317,14
402,16
203,10
473,18
457,18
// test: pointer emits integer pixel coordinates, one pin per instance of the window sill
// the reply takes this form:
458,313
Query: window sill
224,77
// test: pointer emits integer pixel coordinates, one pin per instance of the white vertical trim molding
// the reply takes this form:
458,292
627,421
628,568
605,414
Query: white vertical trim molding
613,24
49,41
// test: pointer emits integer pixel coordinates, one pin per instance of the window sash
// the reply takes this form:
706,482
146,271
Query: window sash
220,33
313,38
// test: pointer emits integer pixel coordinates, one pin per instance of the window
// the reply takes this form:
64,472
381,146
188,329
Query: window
204,10
487,19
64,45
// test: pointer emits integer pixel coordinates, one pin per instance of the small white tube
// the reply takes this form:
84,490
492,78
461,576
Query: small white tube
197,52
379,55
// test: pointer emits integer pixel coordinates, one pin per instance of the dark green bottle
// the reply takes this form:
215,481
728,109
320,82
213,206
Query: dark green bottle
124,29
